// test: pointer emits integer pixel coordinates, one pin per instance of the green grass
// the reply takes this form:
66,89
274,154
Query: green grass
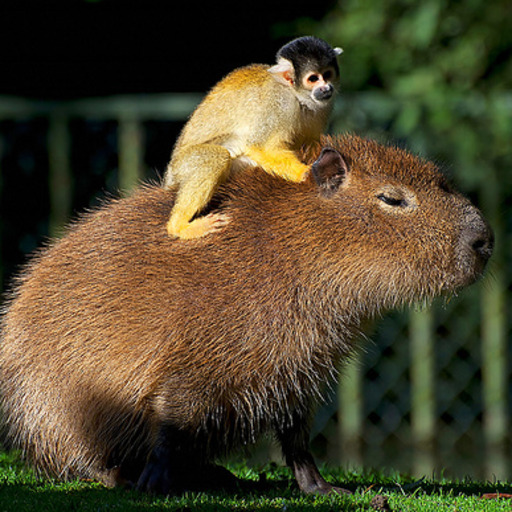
21,490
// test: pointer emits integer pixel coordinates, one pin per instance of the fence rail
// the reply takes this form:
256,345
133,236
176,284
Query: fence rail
420,370
129,112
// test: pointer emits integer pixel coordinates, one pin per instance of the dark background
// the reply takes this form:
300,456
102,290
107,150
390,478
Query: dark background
68,49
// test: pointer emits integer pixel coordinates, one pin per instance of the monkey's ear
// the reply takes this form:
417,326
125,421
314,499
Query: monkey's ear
338,50
283,71
329,171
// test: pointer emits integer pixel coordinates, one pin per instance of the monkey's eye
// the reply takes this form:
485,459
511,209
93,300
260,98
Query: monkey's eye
328,75
313,78
392,201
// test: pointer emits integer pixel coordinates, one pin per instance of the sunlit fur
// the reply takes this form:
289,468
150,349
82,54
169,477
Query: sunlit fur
118,328
258,113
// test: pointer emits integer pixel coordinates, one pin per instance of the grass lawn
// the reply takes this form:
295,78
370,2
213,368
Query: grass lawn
21,490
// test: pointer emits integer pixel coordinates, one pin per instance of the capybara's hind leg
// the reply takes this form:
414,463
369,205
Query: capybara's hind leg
175,465
165,471
156,477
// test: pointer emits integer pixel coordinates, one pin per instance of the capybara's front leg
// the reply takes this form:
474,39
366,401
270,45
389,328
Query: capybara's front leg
294,443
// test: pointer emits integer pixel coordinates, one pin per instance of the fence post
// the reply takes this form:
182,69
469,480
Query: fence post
59,172
422,389
494,342
130,142
350,412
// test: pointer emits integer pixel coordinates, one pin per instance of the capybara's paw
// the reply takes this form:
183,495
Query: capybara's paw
326,488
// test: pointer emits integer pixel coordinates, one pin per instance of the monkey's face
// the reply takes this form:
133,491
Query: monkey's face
319,84
312,82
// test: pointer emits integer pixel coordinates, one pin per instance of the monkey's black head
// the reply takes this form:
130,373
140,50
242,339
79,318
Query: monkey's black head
309,53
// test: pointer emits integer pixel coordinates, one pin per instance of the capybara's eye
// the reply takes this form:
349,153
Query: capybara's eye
392,201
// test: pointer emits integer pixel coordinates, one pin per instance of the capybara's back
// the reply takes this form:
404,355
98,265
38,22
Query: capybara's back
126,354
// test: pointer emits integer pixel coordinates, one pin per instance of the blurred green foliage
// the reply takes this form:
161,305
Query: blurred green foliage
438,71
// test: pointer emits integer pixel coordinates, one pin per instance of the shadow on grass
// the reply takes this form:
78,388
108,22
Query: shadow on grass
22,491
92,498
79,496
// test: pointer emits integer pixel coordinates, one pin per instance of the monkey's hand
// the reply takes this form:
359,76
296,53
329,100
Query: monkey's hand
281,162
199,227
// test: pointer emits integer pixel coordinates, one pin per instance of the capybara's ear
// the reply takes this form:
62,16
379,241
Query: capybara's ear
329,171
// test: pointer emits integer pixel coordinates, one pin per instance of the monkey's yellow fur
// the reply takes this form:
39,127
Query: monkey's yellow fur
255,115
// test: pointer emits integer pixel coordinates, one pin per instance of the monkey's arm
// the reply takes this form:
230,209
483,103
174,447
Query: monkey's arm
279,161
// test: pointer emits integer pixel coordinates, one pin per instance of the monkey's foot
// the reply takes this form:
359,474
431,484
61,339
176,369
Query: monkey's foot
200,227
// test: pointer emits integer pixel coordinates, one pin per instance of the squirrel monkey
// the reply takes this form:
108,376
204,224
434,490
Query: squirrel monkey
258,115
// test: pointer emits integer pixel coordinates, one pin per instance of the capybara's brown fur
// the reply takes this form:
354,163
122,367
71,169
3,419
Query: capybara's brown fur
127,354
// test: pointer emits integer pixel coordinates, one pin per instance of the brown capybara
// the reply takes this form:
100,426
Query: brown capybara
130,356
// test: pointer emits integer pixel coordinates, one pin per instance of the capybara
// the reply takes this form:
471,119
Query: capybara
128,356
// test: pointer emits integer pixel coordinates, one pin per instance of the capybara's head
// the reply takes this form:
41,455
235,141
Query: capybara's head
128,354
403,231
